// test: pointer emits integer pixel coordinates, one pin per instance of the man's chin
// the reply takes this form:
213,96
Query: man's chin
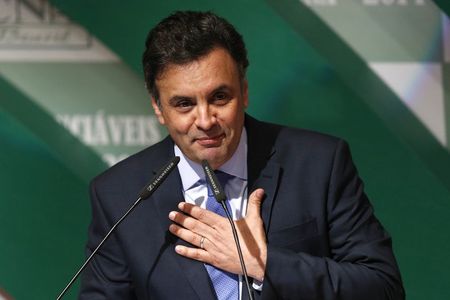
214,156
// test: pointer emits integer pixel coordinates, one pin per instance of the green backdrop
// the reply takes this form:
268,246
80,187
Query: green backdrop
301,74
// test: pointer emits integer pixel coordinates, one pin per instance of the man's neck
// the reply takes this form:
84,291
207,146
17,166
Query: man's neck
191,171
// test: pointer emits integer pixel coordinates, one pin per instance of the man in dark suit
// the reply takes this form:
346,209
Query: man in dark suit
306,227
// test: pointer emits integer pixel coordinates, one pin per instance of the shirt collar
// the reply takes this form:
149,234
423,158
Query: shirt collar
191,172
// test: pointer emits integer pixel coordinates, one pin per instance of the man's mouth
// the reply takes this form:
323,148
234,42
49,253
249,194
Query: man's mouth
210,141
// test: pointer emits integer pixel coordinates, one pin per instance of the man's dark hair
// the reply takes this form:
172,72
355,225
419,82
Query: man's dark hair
186,36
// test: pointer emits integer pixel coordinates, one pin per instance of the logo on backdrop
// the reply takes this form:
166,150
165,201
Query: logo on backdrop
34,30
112,131
37,25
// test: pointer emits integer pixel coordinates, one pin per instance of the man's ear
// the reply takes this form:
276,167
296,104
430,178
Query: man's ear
157,111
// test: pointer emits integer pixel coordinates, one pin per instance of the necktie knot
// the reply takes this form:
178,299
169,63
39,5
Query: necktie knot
223,177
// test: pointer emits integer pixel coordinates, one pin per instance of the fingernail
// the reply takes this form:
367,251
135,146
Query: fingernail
178,249
172,215
260,193
181,205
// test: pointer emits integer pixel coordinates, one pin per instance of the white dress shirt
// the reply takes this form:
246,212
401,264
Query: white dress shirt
236,188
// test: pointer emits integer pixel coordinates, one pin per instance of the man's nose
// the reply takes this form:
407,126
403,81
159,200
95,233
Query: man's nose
206,117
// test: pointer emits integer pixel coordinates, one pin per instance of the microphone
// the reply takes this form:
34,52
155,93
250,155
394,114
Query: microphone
220,197
213,182
146,192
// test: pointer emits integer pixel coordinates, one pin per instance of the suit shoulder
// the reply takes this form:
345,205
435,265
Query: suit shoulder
308,138
289,141
286,135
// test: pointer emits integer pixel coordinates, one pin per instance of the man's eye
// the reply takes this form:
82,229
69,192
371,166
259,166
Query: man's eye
221,97
184,103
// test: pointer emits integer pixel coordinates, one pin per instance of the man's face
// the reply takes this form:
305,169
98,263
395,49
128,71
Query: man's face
202,104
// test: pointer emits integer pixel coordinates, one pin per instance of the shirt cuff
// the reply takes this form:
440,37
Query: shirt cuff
257,285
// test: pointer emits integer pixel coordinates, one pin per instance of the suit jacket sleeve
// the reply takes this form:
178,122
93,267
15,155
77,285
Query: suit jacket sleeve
361,264
107,275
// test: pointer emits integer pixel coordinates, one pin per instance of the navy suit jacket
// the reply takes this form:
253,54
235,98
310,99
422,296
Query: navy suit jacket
324,241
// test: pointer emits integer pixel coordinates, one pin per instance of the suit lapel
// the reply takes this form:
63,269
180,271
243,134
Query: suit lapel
268,180
262,171
165,200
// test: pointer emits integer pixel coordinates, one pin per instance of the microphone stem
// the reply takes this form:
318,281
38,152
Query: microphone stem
241,257
145,193
98,247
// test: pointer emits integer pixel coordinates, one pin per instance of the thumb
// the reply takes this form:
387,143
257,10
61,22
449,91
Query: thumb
254,203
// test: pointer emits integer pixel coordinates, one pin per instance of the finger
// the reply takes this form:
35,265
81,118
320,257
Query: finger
193,253
187,235
205,216
254,203
190,223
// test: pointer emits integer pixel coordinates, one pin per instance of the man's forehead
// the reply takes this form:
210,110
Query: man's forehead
211,72
173,69
197,62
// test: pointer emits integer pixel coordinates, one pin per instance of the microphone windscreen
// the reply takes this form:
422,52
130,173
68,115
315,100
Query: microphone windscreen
213,182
